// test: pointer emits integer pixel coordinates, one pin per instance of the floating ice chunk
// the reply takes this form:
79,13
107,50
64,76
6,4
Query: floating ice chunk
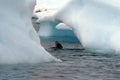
63,26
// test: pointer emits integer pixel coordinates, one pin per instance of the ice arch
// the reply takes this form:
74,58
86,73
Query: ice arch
19,42
95,22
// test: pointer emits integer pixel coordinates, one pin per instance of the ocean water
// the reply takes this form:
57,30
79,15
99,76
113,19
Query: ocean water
77,65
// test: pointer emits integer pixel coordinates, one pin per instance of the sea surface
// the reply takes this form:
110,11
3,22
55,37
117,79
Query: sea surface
76,65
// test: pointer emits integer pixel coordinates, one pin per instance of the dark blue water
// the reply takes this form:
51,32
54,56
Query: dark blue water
76,65
65,39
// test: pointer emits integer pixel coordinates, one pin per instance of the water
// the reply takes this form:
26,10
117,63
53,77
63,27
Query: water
65,39
76,65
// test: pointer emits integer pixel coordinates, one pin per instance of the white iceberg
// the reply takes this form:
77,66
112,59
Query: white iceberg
95,22
19,42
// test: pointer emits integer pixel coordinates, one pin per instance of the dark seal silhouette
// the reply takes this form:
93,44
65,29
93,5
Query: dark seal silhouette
58,45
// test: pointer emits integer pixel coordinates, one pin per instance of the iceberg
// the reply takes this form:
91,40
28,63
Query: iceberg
63,26
49,27
54,29
95,22
19,42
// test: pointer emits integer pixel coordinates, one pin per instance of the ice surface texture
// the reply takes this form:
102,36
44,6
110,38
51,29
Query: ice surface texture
19,42
95,22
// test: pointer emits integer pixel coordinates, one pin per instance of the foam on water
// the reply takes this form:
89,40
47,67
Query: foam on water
19,42
95,22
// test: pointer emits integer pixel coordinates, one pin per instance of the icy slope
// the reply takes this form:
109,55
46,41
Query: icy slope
19,42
